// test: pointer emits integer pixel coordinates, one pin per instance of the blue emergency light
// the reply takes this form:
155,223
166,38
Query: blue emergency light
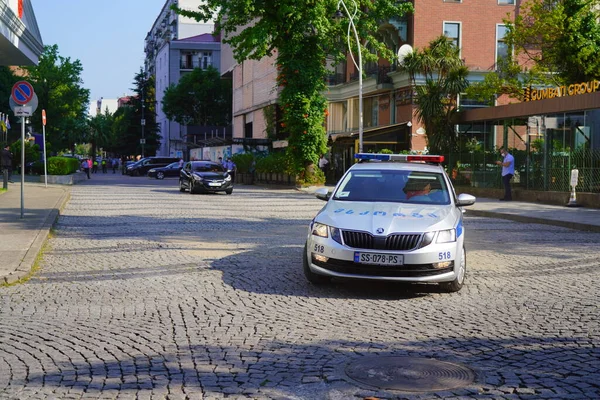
399,157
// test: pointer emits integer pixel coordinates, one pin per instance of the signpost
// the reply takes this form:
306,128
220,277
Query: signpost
23,102
44,143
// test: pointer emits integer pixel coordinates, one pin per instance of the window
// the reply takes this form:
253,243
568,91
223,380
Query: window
206,60
452,32
506,2
501,45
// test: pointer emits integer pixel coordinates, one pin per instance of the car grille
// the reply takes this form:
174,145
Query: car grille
364,240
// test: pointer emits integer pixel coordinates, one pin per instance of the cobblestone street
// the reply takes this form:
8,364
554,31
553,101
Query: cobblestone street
144,292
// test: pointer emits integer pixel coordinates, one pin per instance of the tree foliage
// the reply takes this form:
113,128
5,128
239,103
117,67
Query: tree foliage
553,42
127,121
300,34
58,85
199,98
7,80
439,75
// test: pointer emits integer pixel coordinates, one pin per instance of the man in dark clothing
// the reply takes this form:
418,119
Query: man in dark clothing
6,161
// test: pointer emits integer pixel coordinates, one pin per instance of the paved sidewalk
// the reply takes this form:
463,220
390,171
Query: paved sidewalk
21,239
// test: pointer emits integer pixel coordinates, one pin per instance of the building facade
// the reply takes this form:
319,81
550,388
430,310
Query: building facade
174,46
20,39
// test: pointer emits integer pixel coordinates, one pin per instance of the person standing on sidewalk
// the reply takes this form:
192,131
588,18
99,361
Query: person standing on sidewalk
508,171
86,167
6,162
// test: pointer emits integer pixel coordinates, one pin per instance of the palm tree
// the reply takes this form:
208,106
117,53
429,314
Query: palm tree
438,75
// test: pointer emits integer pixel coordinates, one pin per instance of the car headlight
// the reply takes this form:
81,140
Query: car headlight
427,239
152,170
446,236
320,230
227,178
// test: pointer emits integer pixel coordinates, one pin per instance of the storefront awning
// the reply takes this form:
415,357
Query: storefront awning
367,131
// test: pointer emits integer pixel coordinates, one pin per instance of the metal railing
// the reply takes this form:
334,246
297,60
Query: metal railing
542,171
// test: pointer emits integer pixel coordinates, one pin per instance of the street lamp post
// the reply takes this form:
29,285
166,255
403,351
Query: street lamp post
143,121
338,15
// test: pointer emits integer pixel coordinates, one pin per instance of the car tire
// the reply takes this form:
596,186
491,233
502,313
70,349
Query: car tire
458,283
315,279
229,191
181,188
193,189
160,175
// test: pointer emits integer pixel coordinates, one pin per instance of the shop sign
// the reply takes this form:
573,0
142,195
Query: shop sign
532,94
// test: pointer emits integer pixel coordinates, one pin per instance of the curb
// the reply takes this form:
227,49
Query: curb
520,218
28,261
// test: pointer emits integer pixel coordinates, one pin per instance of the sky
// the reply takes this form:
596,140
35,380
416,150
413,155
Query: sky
107,36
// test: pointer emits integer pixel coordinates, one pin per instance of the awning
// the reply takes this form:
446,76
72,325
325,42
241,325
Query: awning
369,131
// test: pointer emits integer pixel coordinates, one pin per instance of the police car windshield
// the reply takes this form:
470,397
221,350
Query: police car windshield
413,187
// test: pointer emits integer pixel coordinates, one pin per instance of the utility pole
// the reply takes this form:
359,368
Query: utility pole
143,122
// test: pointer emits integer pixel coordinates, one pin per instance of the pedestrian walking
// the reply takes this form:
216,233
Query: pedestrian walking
230,167
103,162
6,162
86,167
508,171
181,163
115,165
95,166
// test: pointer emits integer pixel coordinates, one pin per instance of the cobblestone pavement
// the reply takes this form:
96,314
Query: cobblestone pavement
148,293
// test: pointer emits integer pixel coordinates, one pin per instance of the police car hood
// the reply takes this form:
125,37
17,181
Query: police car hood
383,218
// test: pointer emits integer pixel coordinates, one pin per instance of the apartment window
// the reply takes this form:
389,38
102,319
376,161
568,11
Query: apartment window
206,60
452,32
187,60
506,2
452,1
501,45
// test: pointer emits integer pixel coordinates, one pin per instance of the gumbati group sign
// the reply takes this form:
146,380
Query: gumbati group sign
22,92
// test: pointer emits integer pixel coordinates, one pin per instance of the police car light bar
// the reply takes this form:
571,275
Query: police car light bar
398,157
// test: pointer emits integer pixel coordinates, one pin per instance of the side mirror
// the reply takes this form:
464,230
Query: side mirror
465,200
322,194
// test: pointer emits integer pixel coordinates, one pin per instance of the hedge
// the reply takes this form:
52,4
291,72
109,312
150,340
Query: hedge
62,165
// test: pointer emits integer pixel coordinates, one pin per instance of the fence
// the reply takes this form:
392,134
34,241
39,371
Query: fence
544,171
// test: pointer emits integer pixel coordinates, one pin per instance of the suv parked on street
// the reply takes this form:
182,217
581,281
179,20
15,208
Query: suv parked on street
145,164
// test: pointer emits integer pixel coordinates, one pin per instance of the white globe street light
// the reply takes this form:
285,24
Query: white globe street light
338,15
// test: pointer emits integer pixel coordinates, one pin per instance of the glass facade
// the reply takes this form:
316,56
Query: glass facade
546,148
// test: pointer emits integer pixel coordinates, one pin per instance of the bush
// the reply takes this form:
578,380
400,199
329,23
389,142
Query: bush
62,165
243,162
275,162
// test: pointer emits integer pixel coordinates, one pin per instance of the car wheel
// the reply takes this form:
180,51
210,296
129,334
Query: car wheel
461,271
315,279
193,189
229,191
160,175
181,188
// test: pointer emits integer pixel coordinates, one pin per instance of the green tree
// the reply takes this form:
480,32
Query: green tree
99,132
552,42
199,98
58,86
300,34
127,126
438,75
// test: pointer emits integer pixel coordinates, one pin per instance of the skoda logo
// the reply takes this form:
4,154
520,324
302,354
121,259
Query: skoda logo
380,230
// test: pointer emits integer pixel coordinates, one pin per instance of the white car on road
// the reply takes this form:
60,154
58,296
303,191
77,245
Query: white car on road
393,218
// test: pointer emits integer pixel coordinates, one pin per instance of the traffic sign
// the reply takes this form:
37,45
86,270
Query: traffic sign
23,111
44,117
22,92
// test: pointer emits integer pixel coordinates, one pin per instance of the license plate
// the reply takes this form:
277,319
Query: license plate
214,184
378,258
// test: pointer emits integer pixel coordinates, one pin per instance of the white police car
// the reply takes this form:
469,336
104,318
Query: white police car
393,218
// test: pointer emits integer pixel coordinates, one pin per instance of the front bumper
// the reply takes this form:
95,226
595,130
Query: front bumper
433,263
206,187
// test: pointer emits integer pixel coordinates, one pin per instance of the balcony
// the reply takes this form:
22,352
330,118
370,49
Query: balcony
191,64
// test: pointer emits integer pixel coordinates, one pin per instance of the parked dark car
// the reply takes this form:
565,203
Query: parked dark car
162,172
205,176
145,164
